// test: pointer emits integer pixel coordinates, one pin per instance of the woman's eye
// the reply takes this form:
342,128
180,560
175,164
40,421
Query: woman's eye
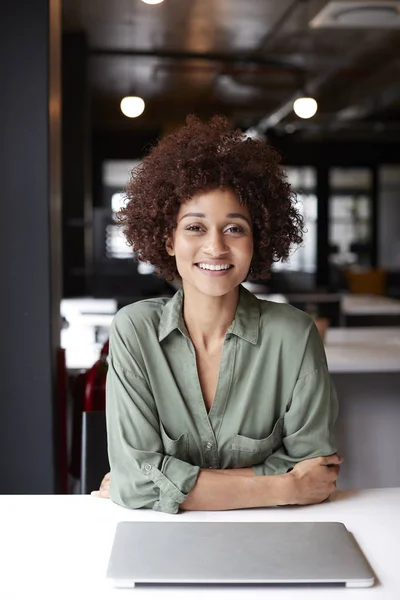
235,229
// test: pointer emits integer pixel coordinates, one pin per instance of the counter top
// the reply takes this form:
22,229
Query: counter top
368,304
358,349
59,546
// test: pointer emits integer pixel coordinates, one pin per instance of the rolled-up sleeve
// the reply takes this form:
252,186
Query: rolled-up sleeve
309,421
142,475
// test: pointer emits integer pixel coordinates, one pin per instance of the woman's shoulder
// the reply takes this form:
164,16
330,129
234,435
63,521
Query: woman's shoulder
283,312
294,331
141,315
284,318
134,334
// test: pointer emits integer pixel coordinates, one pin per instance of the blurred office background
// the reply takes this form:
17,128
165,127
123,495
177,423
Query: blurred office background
67,150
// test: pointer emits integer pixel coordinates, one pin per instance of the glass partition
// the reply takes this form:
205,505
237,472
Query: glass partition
303,258
350,216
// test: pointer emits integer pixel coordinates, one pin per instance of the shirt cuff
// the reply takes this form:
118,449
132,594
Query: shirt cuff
175,479
280,463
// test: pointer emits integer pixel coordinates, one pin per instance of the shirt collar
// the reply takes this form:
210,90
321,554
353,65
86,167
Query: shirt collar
172,317
245,324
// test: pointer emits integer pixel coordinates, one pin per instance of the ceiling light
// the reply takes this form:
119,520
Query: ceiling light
152,1
305,108
132,106
359,14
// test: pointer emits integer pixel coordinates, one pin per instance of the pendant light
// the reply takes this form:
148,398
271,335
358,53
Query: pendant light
132,106
305,107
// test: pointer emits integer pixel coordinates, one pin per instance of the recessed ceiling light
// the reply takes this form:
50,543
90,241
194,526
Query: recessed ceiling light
132,106
305,108
359,14
152,1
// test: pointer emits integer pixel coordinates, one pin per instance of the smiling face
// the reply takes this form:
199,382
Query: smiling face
212,242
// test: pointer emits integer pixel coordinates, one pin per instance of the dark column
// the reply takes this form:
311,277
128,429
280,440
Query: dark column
322,278
30,238
374,218
76,160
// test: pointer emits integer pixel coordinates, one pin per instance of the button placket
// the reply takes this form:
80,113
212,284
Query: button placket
215,416
209,443
228,358
206,454
211,457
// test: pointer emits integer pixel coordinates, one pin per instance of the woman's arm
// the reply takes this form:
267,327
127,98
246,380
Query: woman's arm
248,472
215,491
104,489
310,482
142,474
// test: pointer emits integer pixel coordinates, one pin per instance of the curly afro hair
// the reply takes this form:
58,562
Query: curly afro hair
200,157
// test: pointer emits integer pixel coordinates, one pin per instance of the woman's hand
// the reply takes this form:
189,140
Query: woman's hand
104,490
314,479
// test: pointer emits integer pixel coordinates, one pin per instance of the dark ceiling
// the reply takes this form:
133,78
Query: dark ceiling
245,58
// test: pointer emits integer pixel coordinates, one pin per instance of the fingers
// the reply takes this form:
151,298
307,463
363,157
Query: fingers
105,481
333,459
333,472
100,493
103,492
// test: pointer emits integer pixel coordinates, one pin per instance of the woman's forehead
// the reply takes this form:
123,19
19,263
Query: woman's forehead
214,202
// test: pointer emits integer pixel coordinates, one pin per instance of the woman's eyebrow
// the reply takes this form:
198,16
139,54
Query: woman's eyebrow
199,215
238,216
228,216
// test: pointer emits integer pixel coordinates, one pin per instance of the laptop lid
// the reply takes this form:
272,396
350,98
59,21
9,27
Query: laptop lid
241,553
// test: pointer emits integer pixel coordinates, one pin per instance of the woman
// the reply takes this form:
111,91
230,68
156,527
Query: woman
216,400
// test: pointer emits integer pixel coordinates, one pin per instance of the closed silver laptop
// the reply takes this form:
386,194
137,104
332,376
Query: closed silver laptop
236,553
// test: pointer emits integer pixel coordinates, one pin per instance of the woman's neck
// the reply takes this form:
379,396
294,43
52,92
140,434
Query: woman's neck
208,318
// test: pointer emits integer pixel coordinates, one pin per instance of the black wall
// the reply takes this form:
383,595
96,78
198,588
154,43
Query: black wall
77,211
30,257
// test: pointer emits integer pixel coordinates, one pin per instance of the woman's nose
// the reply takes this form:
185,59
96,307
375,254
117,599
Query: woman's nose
215,246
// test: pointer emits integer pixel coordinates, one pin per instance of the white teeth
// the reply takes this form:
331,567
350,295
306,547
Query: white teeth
213,267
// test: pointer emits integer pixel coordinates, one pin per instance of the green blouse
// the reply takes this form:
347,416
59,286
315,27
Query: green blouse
275,404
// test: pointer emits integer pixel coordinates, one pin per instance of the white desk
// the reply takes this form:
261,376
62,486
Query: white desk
369,310
58,546
369,304
363,349
365,367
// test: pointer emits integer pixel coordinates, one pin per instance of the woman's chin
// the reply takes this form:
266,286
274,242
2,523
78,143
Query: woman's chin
212,286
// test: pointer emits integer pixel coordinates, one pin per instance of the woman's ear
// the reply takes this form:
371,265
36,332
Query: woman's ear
169,246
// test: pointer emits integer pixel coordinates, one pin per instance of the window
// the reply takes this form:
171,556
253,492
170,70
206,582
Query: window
115,177
350,215
303,258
